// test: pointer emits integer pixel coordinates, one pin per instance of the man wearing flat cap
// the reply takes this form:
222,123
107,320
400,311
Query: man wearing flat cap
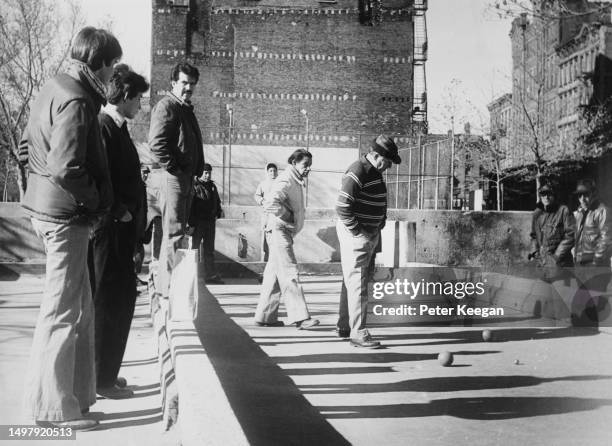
592,252
362,212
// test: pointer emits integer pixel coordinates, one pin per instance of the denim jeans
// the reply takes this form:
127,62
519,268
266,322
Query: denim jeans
357,258
175,203
281,278
60,380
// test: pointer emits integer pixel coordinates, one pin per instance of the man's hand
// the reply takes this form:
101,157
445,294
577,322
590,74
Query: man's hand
126,217
369,233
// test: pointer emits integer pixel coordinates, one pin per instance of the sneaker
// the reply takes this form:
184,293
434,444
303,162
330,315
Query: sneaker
121,382
307,324
343,333
365,341
82,424
114,393
270,324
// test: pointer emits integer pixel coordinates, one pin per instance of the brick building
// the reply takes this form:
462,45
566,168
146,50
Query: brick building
294,73
501,112
551,53
585,76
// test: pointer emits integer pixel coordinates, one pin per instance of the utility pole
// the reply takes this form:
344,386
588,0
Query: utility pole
305,113
230,110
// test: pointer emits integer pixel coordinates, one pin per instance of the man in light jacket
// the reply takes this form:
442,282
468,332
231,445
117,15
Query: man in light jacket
592,254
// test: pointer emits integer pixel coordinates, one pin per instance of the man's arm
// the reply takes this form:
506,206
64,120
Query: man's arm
351,186
604,242
569,232
66,161
259,195
275,201
163,136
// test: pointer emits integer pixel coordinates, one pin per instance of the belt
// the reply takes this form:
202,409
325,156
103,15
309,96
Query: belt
153,166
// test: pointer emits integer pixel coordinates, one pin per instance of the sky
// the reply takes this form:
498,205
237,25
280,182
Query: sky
468,65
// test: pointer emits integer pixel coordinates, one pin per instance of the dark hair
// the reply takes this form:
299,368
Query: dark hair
95,47
299,155
270,166
125,84
186,68
207,167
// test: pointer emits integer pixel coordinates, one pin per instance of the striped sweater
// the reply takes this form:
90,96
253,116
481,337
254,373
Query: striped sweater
362,202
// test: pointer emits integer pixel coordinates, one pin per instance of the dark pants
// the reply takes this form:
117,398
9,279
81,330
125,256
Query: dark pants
204,234
113,281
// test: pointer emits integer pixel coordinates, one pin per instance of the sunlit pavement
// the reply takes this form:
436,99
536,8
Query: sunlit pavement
530,386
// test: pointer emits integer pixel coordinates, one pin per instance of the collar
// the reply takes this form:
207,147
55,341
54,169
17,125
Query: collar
552,207
81,72
295,175
189,105
367,164
111,110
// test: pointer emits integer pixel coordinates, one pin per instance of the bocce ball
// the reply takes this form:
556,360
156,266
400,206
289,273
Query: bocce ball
445,358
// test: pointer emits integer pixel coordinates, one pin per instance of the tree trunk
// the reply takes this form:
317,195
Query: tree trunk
498,192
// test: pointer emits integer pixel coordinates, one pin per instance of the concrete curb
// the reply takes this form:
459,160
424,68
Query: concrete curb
192,393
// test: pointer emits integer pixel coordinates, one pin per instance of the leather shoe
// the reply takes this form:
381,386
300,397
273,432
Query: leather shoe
121,382
365,341
81,424
114,393
270,324
343,333
307,324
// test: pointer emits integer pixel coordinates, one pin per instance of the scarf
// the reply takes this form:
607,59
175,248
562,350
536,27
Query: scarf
79,70
189,105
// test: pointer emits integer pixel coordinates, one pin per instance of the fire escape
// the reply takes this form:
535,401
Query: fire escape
419,101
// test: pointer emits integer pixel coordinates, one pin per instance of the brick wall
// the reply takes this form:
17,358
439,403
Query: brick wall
271,63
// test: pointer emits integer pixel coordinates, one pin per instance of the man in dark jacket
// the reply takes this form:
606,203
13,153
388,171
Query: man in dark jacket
68,190
111,249
176,142
592,254
205,210
553,230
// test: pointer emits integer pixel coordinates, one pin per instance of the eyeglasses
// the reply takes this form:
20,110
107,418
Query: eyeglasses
584,195
546,194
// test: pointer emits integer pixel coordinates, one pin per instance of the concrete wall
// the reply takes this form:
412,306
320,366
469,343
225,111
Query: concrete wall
494,240
248,169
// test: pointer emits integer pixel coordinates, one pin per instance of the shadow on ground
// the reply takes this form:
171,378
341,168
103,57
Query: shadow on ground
487,408
447,384
268,405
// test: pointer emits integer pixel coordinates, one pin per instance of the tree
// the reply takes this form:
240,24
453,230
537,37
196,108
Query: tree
540,28
35,40
548,9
